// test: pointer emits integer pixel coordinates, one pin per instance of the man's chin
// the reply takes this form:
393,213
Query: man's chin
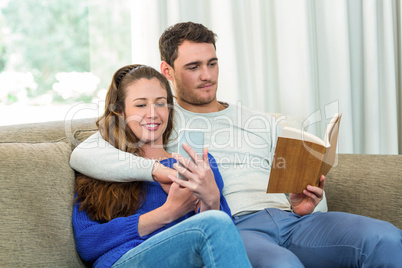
203,102
206,98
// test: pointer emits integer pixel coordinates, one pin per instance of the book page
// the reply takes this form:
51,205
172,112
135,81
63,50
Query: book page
332,139
293,133
330,128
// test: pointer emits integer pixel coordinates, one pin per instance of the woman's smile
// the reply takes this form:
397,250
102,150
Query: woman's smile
151,126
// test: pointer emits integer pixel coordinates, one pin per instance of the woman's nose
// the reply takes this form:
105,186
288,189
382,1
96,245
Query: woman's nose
151,111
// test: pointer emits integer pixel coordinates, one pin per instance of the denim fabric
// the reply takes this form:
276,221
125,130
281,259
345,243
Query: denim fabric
207,239
276,238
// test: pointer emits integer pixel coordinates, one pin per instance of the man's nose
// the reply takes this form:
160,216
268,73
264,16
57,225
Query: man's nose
205,73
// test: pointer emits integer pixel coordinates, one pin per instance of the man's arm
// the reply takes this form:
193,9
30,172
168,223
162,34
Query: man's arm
305,203
97,158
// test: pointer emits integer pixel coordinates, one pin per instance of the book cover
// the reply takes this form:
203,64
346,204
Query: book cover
303,158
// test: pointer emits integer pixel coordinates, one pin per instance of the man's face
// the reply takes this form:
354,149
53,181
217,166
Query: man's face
195,74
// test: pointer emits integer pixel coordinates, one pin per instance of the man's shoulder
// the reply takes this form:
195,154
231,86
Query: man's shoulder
247,111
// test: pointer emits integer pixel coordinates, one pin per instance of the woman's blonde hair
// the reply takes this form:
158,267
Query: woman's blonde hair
102,200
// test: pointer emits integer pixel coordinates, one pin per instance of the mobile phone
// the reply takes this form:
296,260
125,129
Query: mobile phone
195,139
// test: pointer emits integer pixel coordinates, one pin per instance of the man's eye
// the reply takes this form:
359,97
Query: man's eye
192,67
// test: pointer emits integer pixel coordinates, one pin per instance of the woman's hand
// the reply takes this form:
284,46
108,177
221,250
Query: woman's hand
201,179
160,173
179,202
305,203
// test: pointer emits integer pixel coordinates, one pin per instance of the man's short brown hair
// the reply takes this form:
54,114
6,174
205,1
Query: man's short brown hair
175,35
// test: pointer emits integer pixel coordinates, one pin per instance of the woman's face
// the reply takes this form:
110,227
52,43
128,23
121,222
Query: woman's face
146,110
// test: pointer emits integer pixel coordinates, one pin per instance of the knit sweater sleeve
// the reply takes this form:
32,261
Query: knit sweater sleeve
94,239
98,159
219,182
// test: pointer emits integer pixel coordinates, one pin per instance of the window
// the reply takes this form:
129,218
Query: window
57,54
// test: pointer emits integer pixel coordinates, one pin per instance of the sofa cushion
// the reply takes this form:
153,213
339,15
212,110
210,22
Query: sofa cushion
37,190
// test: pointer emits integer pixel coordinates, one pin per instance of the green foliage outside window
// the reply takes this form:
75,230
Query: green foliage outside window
46,46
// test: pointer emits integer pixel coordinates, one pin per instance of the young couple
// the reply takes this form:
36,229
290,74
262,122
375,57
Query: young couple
110,229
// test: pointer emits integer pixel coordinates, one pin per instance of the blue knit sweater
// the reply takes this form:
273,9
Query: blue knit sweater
103,244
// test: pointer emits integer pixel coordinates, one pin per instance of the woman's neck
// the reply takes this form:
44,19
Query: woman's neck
154,152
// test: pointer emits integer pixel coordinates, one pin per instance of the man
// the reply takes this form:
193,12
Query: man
243,143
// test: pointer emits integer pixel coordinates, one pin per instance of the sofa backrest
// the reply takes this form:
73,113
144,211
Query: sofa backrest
36,193
38,187
368,185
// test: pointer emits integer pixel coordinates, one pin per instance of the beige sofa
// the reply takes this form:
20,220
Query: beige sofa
37,191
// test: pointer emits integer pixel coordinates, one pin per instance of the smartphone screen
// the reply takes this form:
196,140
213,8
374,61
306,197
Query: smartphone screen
194,138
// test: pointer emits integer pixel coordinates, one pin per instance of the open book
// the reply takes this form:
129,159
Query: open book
301,158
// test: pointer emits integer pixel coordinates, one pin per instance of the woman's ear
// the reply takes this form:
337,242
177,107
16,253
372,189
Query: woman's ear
122,113
118,111
166,70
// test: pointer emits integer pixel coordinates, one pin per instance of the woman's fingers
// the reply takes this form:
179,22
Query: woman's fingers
183,171
182,183
184,162
198,161
193,154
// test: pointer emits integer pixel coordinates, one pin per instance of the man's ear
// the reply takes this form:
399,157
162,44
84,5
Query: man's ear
167,70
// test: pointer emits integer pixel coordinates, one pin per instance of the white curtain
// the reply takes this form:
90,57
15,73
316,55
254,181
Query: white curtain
299,58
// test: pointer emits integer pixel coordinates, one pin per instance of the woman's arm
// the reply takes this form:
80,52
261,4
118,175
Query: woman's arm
105,236
121,230
98,159
179,202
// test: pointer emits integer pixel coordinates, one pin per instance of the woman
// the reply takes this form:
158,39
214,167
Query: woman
141,224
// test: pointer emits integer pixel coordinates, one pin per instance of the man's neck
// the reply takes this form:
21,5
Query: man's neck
203,108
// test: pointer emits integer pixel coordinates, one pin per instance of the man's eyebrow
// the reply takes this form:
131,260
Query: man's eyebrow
192,63
199,62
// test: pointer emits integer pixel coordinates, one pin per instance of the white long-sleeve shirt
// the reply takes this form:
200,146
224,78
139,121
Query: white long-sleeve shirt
241,140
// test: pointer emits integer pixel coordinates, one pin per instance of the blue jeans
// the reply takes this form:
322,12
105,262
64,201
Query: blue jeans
276,238
207,239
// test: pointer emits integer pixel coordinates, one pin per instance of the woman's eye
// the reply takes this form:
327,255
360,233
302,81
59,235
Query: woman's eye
161,104
140,105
